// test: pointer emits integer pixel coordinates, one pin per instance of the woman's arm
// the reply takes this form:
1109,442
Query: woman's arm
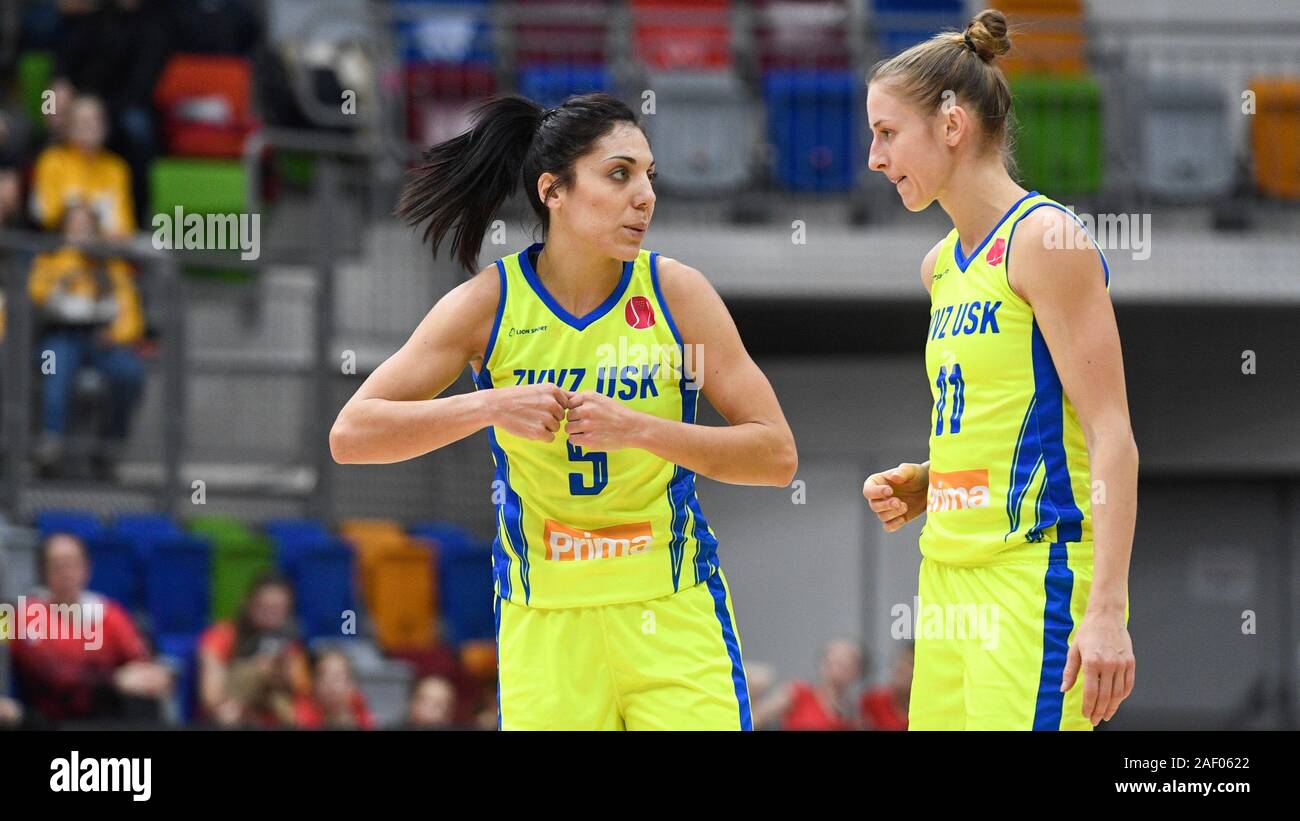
755,447
394,416
1066,287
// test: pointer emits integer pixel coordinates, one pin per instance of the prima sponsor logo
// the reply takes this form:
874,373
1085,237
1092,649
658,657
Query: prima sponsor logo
39,620
77,774
565,543
958,490
208,232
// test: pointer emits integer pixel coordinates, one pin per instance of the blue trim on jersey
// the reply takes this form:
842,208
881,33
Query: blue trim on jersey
511,515
681,488
1058,584
963,261
1044,514
1024,464
677,490
496,619
1105,266
578,323
733,650
663,303
1049,415
496,325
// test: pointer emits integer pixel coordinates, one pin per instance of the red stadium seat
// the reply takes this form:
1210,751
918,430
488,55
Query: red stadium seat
206,106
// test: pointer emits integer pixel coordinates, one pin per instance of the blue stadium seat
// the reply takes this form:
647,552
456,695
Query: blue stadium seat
813,127
143,530
465,581
114,569
178,585
290,537
77,522
182,648
551,84
444,31
323,587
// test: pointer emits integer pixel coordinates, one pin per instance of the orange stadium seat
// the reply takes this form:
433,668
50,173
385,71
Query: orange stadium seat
1273,139
1047,37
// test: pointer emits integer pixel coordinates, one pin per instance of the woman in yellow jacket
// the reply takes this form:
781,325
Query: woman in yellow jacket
91,315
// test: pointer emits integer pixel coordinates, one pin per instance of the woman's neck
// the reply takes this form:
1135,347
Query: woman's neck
574,276
984,197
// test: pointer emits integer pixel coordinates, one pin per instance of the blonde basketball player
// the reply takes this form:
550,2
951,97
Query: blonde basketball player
1030,489
612,610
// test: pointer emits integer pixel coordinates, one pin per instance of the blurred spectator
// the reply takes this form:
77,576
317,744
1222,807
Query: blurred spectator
885,707
115,49
79,674
253,669
82,170
91,314
433,705
826,705
761,679
335,703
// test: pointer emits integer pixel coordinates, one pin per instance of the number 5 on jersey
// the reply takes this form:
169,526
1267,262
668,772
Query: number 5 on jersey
599,471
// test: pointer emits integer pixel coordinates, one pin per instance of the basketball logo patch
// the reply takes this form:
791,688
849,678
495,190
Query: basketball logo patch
639,313
997,252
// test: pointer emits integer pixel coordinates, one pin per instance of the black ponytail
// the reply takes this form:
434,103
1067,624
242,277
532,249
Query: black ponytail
462,182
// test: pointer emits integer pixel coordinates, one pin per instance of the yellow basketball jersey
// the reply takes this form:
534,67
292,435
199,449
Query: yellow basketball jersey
1008,461
577,527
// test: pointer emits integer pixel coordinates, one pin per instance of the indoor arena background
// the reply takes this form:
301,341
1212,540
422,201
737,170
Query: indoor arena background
1175,126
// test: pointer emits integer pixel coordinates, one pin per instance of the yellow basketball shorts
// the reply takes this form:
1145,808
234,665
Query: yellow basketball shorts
671,663
992,642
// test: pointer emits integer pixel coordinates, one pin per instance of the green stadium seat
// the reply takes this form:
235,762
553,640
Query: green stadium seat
1058,138
201,186
236,564
35,70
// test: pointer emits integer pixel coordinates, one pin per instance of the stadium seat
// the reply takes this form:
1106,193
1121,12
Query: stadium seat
669,35
440,99
813,128
199,186
1183,131
236,564
550,85
562,32
1273,136
1047,37
77,522
401,584
323,583
219,527
180,652
35,70
803,35
18,574
464,582
178,585
900,24
205,102
114,569
702,131
1059,139
443,31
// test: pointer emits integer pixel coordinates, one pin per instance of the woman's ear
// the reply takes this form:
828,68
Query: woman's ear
545,183
956,122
